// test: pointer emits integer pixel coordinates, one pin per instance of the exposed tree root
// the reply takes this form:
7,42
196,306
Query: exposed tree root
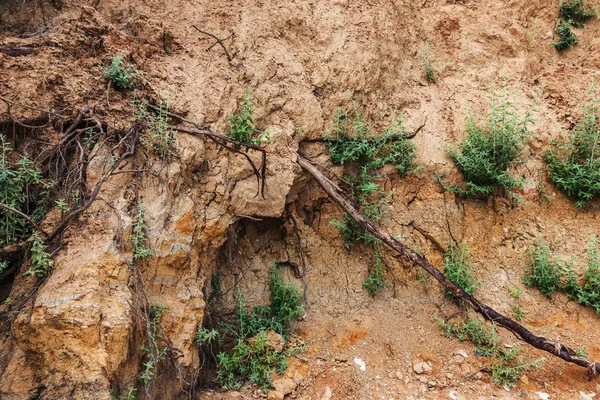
522,333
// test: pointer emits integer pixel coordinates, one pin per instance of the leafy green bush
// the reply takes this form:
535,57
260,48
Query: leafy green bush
23,188
351,141
430,67
572,10
504,367
161,135
138,235
376,279
251,358
122,75
490,148
242,126
565,36
41,262
544,272
458,268
571,13
574,164
549,274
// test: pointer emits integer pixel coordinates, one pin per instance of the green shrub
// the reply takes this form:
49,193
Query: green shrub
162,136
574,164
41,261
375,281
518,312
23,188
242,126
544,272
565,36
431,68
549,274
571,13
504,367
253,360
138,235
122,75
589,294
458,268
490,148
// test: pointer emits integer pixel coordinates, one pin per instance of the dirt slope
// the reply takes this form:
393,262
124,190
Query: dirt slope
75,337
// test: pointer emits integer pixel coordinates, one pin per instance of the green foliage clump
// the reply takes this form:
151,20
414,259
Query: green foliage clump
161,135
22,187
122,75
574,164
566,38
138,235
545,271
431,69
242,126
41,261
153,352
549,274
458,268
571,13
518,312
505,366
375,281
251,358
490,148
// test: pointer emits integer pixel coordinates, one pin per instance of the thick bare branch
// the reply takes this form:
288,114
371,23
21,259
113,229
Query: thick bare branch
539,342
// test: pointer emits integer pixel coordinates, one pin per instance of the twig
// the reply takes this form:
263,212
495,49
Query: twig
24,216
219,41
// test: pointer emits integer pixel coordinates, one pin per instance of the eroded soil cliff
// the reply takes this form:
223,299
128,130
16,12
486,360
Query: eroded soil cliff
76,334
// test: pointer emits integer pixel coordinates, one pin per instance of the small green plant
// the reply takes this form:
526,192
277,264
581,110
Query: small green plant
206,336
574,164
375,281
138,235
130,395
153,352
161,135
549,274
22,187
505,366
423,277
431,69
572,13
582,353
534,34
565,36
458,268
122,75
41,261
62,206
490,148
544,272
518,313
251,358
242,126
515,291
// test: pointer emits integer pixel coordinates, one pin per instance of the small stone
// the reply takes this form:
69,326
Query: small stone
466,369
431,384
584,396
274,340
542,395
524,379
399,375
453,395
461,353
459,359
275,395
327,394
423,367
423,379
478,376
284,385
